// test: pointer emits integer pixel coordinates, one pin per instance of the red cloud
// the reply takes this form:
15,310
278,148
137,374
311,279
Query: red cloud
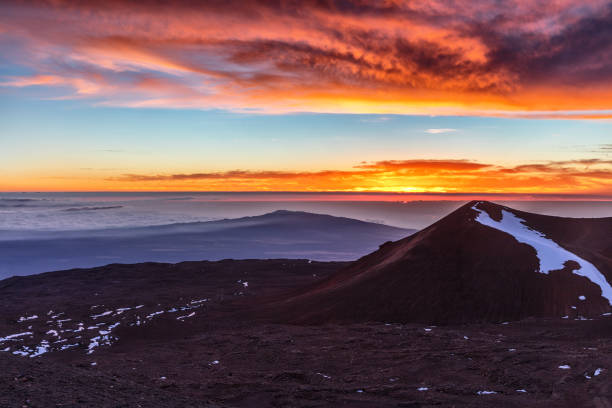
536,59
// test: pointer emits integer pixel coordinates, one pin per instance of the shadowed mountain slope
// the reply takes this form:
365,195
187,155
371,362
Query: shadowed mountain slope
483,262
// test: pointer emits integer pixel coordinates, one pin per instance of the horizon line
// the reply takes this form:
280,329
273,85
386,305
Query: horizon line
457,195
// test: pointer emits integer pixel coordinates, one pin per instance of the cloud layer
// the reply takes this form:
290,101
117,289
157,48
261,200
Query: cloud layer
592,176
514,58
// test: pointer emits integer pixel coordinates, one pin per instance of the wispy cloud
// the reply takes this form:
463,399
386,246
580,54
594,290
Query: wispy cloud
605,148
439,131
520,58
376,119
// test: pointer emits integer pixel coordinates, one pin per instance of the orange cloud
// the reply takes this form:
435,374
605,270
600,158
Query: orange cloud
589,176
428,165
81,85
520,58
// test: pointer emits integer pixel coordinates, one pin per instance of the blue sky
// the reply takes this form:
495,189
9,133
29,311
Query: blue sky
400,96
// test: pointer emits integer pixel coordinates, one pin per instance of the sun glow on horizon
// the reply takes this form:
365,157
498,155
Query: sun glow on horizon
394,176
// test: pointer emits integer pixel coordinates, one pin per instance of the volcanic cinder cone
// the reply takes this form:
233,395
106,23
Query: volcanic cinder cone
483,262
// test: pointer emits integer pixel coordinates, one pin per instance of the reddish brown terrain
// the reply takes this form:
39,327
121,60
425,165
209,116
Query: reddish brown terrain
459,270
295,333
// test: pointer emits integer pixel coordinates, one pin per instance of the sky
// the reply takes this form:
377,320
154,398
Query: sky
356,96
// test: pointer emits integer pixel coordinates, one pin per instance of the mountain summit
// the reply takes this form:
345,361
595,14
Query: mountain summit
483,262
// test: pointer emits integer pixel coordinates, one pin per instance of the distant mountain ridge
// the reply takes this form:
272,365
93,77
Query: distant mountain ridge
279,234
480,263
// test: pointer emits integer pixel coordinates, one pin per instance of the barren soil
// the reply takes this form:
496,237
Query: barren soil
223,356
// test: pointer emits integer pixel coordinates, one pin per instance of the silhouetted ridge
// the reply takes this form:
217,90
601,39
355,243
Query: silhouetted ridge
279,234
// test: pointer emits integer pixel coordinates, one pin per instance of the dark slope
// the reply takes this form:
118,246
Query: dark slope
281,234
459,270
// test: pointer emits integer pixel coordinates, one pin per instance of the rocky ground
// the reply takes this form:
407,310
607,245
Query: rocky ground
99,340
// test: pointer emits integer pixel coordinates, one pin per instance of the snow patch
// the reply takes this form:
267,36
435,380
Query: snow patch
109,329
41,349
38,350
95,342
14,336
152,315
552,257
101,314
186,316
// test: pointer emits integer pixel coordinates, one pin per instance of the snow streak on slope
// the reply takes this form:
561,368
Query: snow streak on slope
552,257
